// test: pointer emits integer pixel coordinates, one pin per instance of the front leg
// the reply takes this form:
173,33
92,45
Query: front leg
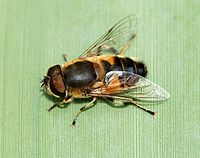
65,57
61,104
84,108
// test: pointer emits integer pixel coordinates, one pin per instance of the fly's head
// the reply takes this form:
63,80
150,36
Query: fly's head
54,82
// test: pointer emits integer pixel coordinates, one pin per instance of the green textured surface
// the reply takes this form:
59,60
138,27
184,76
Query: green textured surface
34,34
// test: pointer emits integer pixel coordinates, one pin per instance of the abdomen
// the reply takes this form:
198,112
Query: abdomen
115,63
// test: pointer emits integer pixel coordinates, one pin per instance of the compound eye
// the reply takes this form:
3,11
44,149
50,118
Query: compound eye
57,85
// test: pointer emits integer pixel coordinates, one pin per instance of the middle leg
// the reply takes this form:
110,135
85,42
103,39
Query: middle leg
84,108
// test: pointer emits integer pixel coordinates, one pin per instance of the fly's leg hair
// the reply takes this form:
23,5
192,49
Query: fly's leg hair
60,104
65,57
83,108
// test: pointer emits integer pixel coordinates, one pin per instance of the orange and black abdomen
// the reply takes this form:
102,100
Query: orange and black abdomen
124,64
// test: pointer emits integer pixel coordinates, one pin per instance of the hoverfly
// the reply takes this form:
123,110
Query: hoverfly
102,71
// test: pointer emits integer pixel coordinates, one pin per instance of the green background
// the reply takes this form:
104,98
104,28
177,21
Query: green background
33,36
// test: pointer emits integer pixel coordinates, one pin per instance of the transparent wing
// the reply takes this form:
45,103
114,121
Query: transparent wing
115,40
120,83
